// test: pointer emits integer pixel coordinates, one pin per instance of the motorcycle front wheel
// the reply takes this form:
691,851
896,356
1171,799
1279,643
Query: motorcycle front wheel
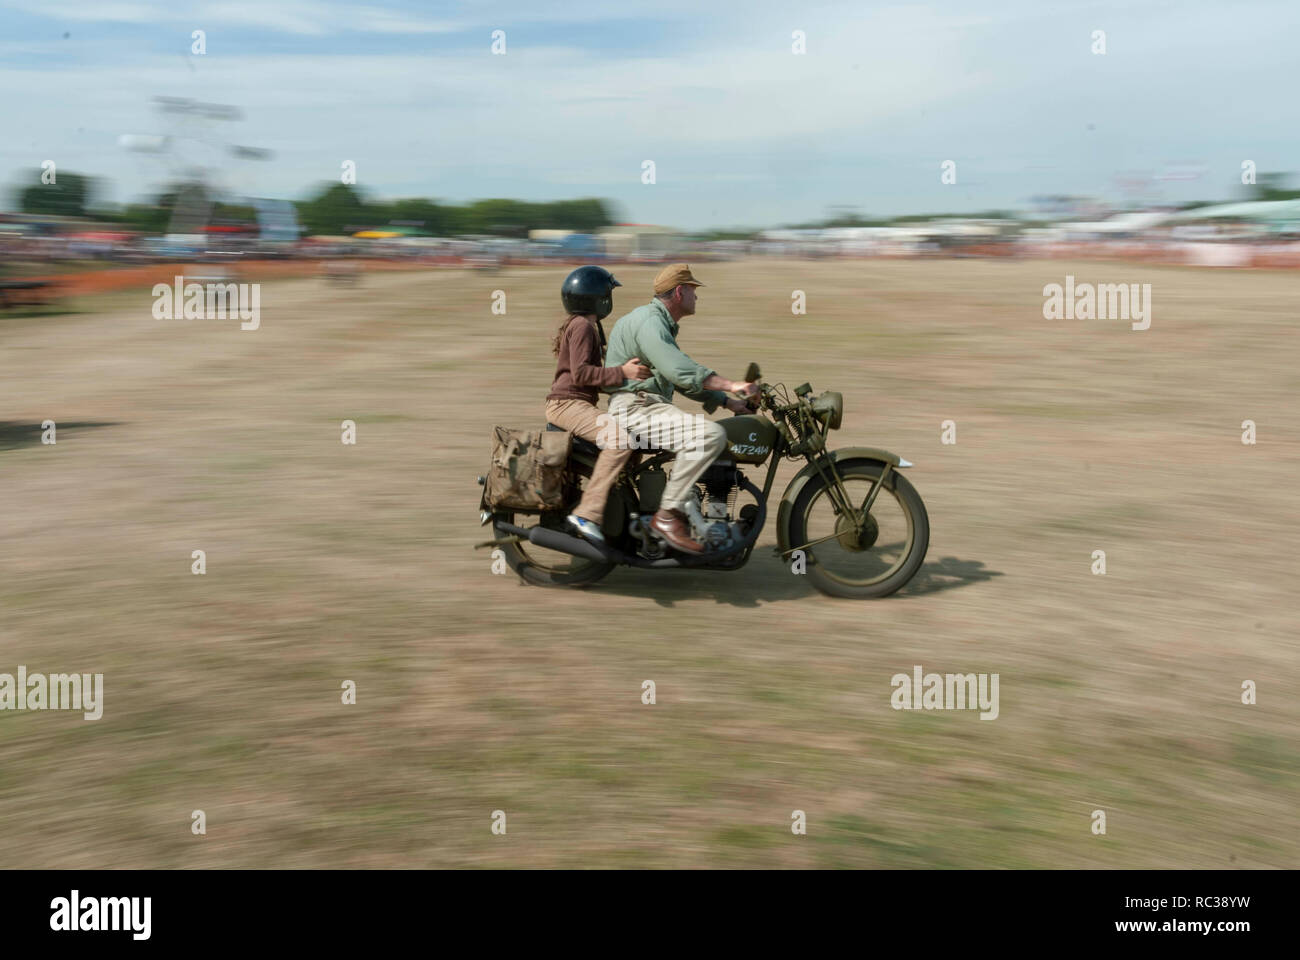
866,564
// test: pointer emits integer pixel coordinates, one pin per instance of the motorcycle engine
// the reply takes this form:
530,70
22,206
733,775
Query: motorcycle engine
708,523
721,481
717,536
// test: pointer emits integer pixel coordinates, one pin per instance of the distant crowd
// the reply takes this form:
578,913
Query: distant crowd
19,250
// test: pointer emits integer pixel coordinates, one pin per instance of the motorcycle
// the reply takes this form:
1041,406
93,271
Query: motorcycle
832,522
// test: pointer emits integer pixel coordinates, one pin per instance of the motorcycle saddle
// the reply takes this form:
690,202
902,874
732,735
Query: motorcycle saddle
579,445
586,446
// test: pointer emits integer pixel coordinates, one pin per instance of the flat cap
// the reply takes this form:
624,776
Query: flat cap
672,276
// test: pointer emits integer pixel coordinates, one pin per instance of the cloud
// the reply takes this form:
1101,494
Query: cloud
294,17
734,121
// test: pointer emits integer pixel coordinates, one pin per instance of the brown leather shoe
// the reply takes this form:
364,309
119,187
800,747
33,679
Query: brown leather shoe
672,526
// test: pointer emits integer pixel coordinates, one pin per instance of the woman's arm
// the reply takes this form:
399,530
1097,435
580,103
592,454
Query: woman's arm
584,358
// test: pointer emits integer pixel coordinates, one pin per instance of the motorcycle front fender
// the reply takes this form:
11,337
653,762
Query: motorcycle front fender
796,485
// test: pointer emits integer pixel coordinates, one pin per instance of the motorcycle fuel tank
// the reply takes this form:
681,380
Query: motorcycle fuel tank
750,438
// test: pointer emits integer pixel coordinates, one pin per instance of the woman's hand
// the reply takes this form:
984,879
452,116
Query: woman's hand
634,369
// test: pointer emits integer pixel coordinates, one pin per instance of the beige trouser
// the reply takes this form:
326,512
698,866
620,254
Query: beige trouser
649,420
586,420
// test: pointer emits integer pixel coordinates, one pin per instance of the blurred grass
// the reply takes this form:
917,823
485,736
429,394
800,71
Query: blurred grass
474,693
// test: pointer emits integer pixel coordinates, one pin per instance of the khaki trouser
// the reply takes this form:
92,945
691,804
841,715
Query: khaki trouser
586,420
649,420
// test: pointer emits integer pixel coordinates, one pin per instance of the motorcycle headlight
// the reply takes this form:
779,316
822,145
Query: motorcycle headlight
829,408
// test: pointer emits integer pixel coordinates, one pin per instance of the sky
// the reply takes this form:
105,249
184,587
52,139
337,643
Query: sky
742,131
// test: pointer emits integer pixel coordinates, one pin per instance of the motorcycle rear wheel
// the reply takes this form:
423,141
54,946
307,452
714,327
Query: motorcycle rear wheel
552,568
549,568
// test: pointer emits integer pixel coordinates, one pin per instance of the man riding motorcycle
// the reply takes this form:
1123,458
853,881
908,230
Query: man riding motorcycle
588,297
649,334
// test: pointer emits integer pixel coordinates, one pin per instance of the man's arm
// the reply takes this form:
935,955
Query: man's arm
735,405
711,398
696,381
715,382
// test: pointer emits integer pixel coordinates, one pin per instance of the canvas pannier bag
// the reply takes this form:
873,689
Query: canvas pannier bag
527,471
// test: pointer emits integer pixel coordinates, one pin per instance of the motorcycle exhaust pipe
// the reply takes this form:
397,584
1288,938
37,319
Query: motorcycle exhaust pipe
554,540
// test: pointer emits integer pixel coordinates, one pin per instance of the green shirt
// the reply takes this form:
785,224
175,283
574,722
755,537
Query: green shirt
650,333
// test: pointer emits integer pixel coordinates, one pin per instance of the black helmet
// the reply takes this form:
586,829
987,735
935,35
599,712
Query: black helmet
589,289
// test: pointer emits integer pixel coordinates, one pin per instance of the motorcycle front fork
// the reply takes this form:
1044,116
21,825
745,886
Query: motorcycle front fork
839,497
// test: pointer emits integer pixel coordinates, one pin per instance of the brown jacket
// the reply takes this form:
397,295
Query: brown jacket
578,371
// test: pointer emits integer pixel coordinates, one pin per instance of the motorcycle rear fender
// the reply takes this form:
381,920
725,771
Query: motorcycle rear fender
809,471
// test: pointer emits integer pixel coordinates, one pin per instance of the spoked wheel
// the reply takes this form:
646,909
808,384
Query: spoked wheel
875,561
549,568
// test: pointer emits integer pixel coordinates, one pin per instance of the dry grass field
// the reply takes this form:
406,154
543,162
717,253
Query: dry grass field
475,693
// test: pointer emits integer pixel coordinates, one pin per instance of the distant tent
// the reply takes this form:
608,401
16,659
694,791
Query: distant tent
1254,210
277,220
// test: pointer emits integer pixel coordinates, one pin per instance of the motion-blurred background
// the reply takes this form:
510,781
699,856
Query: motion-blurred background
390,172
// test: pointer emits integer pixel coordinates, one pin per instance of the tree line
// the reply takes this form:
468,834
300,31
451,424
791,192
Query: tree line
341,208
338,208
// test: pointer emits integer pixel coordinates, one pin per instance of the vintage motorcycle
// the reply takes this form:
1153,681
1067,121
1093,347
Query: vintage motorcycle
832,522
